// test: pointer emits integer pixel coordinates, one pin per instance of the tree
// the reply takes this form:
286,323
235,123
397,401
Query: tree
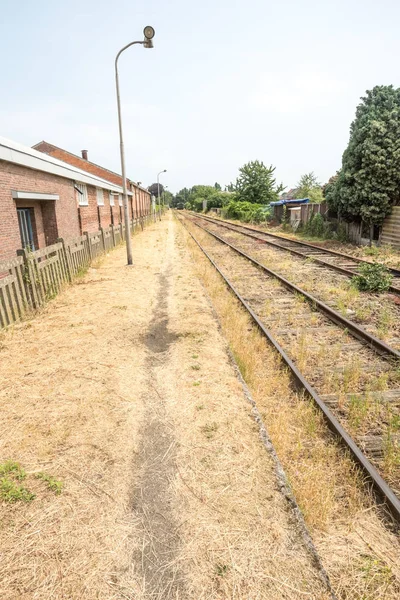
153,189
309,187
217,187
368,183
256,183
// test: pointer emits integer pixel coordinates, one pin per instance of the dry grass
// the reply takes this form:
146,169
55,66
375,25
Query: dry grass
359,552
138,438
69,408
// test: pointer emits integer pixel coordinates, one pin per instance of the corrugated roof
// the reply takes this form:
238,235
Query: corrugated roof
13,152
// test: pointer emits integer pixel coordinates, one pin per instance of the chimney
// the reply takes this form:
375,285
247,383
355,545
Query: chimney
84,154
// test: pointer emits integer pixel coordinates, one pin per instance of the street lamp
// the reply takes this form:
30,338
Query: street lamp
165,188
158,187
147,43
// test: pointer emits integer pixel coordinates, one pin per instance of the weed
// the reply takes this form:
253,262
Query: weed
196,367
221,569
209,430
52,483
121,307
358,410
371,251
372,277
11,491
13,467
200,407
196,383
195,356
385,321
375,572
351,376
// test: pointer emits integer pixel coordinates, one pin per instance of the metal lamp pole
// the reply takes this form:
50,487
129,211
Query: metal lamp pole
147,43
158,188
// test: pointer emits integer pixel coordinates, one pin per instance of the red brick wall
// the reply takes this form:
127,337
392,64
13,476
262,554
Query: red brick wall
90,167
16,177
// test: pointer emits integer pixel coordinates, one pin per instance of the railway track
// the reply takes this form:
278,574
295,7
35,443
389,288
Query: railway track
352,378
342,263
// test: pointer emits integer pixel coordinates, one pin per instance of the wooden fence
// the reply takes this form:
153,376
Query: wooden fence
32,278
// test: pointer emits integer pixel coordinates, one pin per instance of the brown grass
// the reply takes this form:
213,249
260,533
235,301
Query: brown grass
359,552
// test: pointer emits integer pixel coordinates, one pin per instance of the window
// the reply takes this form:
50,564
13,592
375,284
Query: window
82,194
25,227
120,199
111,198
100,197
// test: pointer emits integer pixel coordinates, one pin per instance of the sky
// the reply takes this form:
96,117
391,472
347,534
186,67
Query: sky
228,81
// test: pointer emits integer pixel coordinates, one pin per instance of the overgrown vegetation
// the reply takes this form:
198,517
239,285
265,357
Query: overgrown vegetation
247,212
11,488
368,183
373,277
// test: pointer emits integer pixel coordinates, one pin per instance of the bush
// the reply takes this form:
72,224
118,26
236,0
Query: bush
318,227
372,277
247,212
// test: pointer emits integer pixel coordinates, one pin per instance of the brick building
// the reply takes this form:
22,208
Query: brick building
43,198
97,212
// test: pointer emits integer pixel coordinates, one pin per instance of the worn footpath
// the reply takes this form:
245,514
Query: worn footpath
122,395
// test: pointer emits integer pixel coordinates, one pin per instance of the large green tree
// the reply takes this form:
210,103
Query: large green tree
256,183
368,183
309,187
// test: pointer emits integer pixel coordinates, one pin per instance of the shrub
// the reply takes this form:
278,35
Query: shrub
247,212
372,277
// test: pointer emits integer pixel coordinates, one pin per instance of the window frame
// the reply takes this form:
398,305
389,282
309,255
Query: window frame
111,198
83,198
100,196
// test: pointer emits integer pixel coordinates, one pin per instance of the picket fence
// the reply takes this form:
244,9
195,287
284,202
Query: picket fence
32,278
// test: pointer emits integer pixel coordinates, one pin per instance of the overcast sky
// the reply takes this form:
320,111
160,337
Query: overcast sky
228,81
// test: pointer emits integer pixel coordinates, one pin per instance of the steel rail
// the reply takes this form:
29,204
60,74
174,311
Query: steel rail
380,485
357,332
321,261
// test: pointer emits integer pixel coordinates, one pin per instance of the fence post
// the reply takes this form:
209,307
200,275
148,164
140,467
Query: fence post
86,234
66,258
103,238
29,279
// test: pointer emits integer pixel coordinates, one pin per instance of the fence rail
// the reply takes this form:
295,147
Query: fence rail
31,278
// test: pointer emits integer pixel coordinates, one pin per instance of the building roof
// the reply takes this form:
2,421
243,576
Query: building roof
28,157
82,163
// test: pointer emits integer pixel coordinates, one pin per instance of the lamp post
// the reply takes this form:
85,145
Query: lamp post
147,43
165,188
158,188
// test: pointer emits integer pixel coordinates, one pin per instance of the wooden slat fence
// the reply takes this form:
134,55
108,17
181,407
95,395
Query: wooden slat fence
32,278
108,242
77,254
116,229
13,299
95,243
46,270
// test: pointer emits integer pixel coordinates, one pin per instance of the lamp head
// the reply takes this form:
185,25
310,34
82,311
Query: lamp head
149,33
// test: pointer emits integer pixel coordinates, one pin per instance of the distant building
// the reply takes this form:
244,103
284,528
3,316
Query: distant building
101,211
41,198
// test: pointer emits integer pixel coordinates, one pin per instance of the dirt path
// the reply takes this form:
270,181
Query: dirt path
123,391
